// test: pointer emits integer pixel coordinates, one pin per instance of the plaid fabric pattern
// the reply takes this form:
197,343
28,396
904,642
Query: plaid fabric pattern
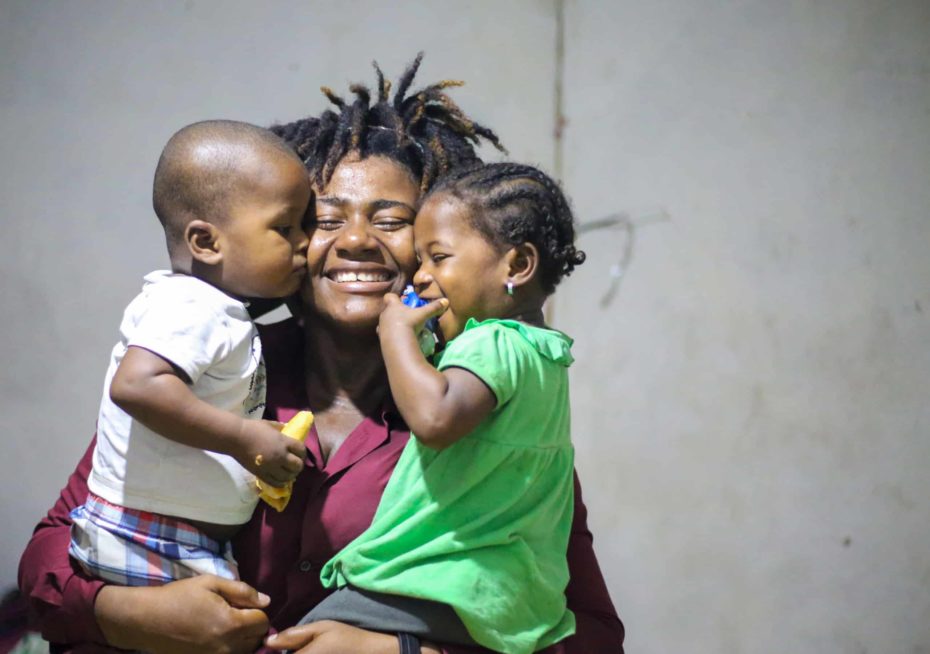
138,548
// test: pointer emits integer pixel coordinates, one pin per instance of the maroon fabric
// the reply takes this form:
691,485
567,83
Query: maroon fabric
281,553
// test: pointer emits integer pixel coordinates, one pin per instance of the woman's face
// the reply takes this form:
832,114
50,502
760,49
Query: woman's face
361,242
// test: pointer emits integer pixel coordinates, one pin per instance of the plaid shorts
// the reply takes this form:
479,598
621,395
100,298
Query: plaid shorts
138,548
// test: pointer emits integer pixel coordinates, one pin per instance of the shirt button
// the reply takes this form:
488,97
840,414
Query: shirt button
305,566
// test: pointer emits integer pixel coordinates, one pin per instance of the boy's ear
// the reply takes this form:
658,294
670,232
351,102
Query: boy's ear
202,240
523,263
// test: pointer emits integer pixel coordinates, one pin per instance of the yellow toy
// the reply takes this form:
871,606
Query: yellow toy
296,428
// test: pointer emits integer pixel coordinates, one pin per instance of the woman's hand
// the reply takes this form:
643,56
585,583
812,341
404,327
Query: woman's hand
329,637
200,615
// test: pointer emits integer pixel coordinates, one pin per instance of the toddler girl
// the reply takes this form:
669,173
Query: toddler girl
468,544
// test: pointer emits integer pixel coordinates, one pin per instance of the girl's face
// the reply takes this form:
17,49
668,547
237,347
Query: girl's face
361,243
458,263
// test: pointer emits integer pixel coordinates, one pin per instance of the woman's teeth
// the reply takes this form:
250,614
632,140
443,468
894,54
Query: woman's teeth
341,277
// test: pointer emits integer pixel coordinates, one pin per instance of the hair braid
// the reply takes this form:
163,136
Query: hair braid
514,203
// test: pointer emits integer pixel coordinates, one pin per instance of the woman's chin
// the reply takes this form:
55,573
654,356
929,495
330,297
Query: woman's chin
353,313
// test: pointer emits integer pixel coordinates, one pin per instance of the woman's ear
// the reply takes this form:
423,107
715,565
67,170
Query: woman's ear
523,263
202,240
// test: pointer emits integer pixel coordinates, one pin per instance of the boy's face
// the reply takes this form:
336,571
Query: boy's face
262,239
458,263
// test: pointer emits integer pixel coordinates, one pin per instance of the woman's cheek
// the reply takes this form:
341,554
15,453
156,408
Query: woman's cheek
401,248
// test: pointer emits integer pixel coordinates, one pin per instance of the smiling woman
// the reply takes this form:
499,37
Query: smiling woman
369,163
361,246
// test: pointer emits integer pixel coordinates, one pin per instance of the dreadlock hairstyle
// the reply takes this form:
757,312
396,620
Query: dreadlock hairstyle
514,203
426,132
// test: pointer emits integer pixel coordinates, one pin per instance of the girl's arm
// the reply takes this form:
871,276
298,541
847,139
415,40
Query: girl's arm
196,615
439,407
156,393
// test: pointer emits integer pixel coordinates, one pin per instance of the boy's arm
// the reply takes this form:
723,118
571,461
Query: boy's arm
439,407
154,392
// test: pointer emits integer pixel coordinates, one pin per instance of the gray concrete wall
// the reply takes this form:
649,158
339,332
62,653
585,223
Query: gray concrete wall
751,410
750,401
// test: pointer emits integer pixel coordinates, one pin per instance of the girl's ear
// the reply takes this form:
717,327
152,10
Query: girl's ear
202,240
523,263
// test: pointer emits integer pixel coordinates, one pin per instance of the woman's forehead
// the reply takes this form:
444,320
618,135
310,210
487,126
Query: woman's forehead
373,178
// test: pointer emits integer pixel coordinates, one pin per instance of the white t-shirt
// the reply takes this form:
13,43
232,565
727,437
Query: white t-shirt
210,336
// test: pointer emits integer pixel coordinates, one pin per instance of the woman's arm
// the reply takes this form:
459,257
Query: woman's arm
599,628
60,597
183,616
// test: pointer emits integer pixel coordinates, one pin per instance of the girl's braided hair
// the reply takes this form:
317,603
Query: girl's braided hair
515,203
426,132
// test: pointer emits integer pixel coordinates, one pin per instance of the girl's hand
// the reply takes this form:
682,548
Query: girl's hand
200,615
397,316
329,637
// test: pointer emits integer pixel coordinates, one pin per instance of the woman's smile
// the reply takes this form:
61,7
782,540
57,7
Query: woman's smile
362,279
361,242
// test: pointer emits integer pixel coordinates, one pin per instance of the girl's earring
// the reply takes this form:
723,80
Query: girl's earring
510,287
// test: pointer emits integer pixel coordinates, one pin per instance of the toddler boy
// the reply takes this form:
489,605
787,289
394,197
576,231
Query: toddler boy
179,435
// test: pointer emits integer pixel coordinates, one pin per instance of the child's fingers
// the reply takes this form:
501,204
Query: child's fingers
297,448
396,312
274,478
433,309
293,464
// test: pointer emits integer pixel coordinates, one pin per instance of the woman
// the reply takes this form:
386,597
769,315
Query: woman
370,164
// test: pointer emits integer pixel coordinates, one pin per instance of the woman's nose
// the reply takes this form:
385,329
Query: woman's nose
356,235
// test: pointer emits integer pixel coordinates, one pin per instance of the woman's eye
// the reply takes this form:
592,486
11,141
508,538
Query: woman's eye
391,224
283,230
325,223
436,258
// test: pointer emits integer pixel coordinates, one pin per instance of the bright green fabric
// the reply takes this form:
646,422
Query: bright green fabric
483,525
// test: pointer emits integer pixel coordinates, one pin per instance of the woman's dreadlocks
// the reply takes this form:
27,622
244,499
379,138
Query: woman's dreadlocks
426,132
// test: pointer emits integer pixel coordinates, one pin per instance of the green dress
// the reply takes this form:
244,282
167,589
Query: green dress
484,524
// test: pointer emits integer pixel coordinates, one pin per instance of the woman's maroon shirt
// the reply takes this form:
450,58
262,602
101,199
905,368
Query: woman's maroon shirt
280,554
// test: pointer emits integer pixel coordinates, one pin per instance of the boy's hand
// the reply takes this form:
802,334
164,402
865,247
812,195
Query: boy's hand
268,454
397,316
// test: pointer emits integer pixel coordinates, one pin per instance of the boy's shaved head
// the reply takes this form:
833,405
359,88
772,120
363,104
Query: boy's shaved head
204,167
